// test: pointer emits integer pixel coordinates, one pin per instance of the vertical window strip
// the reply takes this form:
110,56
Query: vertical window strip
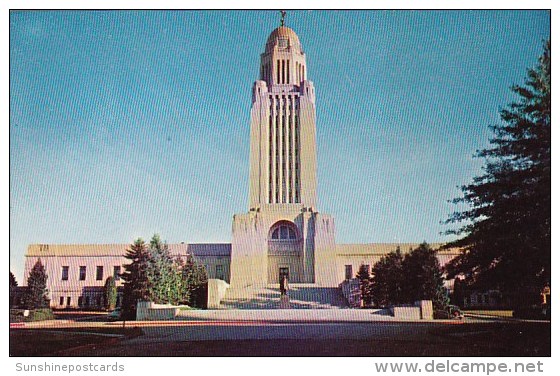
291,151
283,156
275,150
286,150
270,150
277,154
294,148
297,152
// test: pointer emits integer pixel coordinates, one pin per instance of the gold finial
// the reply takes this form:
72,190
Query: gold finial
283,13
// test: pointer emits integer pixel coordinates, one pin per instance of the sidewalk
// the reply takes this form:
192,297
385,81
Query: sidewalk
288,315
242,317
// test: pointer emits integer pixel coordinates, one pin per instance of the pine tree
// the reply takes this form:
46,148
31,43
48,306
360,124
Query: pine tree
36,295
505,232
13,285
180,292
13,282
162,273
195,281
364,277
459,292
110,293
423,275
387,280
155,275
135,276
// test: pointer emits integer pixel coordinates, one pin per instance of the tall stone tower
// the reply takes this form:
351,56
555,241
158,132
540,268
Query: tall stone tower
283,156
282,234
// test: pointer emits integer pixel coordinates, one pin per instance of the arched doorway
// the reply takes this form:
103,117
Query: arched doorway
285,252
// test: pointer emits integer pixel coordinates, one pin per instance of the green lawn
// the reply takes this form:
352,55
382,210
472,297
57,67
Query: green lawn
489,312
42,342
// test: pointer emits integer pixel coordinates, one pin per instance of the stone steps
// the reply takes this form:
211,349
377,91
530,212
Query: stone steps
300,296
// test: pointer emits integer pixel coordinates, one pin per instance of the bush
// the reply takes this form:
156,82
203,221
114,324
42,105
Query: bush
16,315
41,314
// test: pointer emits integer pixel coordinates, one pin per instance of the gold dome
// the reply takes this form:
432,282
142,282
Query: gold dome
283,33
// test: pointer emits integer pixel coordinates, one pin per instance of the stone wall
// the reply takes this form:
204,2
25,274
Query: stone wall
216,292
149,311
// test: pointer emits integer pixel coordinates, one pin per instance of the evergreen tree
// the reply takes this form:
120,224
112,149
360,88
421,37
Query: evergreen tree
154,275
459,292
195,282
181,291
423,279
199,288
13,285
135,276
110,294
36,295
387,279
164,274
505,231
364,277
13,282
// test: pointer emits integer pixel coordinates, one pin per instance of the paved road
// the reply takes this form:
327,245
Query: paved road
313,333
265,331
333,339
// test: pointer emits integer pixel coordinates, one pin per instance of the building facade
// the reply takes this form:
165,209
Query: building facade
282,234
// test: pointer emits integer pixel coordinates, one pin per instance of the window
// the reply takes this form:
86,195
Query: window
61,300
284,232
82,273
65,273
99,273
220,272
68,300
117,272
348,271
80,301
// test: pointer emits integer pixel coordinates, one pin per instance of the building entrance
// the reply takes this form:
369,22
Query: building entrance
283,271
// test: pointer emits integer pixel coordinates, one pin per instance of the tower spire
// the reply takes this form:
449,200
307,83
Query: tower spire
283,15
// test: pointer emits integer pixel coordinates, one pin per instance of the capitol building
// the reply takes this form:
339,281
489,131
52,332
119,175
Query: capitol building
282,233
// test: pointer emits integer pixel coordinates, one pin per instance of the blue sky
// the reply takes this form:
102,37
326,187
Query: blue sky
126,124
